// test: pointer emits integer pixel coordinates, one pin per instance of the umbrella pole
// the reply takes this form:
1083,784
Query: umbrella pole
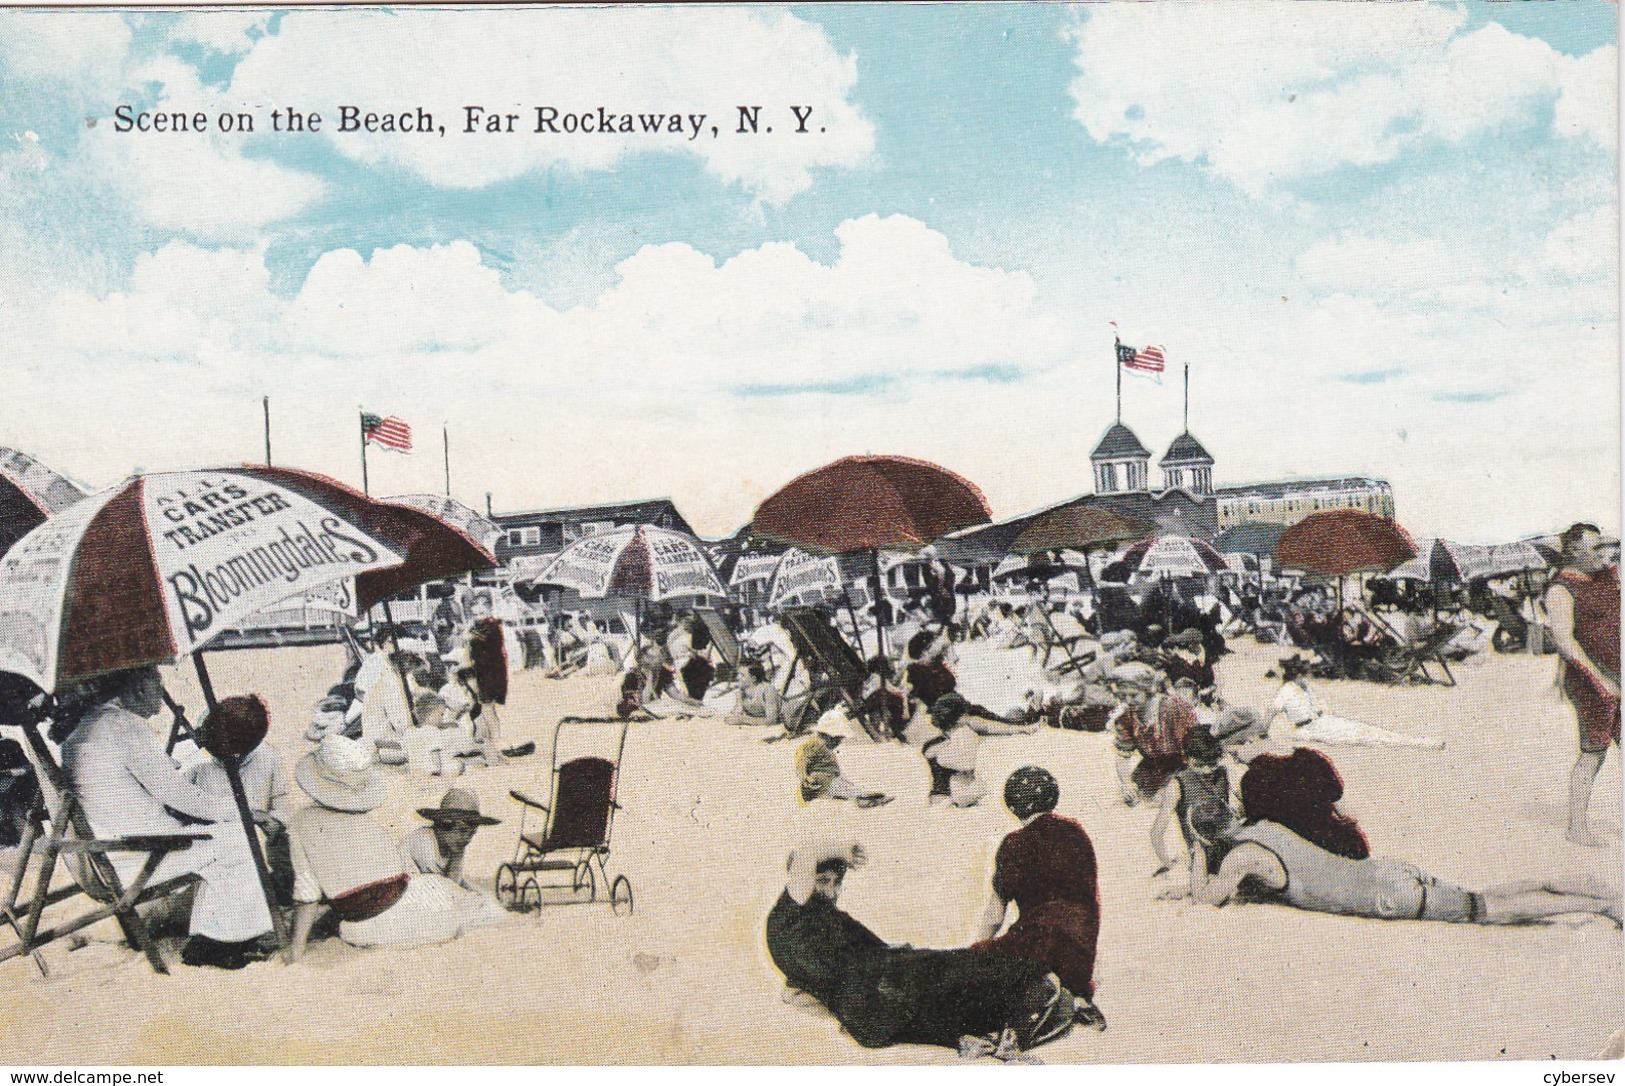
880,615
231,764
395,643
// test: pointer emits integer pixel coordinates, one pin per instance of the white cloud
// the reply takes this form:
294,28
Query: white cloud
1589,104
644,389
197,185
702,60
1296,90
222,31
1583,246
61,45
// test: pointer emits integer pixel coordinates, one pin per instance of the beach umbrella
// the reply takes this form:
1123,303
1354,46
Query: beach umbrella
635,562
1440,560
160,565
870,503
1506,559
1340,542
1077,528
754,569
1167,556
1250,537
29,492
472,523
802,578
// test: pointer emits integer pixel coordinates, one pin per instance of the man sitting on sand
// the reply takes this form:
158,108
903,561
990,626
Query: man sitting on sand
1047,867
1271,862
976,1000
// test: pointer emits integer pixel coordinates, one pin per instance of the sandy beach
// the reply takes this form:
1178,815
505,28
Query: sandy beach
710,810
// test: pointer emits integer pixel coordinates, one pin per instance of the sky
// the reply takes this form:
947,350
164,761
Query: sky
1383,237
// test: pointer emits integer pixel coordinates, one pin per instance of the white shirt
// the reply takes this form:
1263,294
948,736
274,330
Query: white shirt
1296,704
125,780
265,781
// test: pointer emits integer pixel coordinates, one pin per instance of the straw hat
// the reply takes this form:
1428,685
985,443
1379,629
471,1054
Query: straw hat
342,774
458,805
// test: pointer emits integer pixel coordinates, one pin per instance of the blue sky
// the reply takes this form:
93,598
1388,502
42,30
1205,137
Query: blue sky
1384,237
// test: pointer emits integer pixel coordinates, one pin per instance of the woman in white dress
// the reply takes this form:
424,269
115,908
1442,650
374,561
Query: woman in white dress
1310,722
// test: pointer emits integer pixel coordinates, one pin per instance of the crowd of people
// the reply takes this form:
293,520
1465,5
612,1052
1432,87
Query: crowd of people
1257,800
1248,800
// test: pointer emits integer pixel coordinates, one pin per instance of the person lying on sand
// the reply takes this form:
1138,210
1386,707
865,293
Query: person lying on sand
979,1001
1312,723
1269,862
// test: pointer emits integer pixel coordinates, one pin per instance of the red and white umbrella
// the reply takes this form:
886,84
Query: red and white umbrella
1167,556
29,492
638,562
158,566
801,578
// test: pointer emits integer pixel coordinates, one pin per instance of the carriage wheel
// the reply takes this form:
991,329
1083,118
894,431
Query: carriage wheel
586,880
530,895
620,896
507,887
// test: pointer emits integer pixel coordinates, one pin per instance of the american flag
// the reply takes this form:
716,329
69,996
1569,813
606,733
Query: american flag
390,432
1145,360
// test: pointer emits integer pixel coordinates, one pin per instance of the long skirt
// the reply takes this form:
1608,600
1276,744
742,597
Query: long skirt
433,910
934,997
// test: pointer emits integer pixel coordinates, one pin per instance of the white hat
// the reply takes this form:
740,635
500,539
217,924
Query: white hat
342,774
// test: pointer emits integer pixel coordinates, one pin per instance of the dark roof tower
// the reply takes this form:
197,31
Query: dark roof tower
1121,461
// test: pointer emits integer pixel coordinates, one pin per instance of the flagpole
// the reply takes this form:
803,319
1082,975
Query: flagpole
445,446
265,402
364,488
1187,397
1117,361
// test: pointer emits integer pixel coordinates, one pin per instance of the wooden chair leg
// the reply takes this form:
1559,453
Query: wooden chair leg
8,911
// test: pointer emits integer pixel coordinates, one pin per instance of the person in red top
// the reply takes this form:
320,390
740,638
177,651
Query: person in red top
1150,725
1298,788
1047,868
1583,606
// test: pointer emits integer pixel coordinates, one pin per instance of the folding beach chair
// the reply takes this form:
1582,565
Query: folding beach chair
835,672
729,653
576,822
59,829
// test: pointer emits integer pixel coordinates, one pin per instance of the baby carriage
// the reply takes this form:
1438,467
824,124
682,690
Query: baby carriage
573,834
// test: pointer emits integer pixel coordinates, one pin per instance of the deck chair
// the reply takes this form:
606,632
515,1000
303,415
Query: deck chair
60,830
729,652
835,672
1412,660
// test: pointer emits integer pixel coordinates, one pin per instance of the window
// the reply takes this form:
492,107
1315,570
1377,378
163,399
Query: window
593,527
524,537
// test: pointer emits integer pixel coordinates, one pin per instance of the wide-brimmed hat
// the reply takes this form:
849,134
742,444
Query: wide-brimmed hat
342,774
458,805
